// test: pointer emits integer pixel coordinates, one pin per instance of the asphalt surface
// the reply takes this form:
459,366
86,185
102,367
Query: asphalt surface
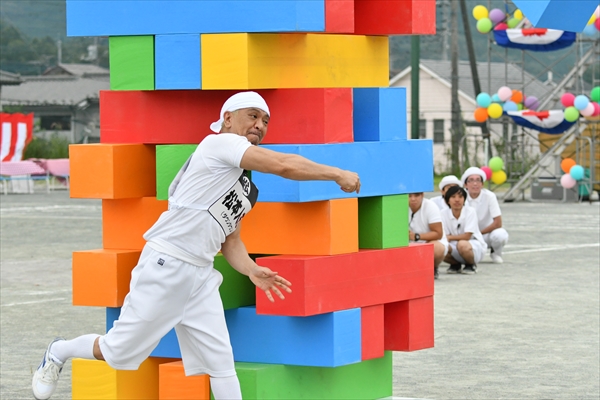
526,329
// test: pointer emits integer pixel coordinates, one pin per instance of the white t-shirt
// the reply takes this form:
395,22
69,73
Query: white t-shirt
487,207
467,222
420,220
440,202
209,201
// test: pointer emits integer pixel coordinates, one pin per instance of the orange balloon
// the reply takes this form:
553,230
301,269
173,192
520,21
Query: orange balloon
517,96
566,165
481,114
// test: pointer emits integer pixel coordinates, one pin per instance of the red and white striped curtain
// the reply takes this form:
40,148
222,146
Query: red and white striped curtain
17,132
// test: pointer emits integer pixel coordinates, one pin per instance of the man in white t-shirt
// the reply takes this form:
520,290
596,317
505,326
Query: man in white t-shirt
488,211
425,226
174,283
460,224
446,183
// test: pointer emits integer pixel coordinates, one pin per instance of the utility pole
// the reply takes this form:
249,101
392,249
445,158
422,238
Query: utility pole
456,128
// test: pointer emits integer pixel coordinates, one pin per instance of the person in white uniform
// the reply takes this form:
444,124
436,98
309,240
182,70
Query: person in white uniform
488,211
174,283
462,230
446,183
425,226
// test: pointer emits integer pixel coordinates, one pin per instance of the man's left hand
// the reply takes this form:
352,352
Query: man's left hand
268,281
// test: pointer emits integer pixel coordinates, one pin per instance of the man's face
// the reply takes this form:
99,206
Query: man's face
474,184
415,200
457,201
448,186
248,122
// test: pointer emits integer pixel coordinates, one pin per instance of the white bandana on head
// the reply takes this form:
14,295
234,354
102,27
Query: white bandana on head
473,171
449,180
237,102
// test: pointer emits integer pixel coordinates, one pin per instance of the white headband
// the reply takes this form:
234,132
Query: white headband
473,171
237,102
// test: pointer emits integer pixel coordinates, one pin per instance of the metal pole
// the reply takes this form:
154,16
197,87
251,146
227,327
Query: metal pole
415,50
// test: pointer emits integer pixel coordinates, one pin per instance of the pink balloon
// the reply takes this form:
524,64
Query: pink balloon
488,172
596,109
501,27
504,93
568,99
597,23
567,181
589,110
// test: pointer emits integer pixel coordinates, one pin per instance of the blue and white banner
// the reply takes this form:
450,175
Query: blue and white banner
552,121
534,39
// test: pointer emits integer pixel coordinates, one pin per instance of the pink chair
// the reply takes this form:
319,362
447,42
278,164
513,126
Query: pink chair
58,170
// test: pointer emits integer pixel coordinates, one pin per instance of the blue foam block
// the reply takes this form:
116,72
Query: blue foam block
379,114
566,15
325,340
385,168
112,314
159,17
177,61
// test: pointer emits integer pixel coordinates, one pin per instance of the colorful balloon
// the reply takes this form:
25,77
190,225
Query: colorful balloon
597,23
496,15
589,110
484,25
581,102
577,172
512,23
496,164
531,102
590,30
567,99
499,177
597,12
501,27
480,12
595,94
496,98
567,181
510,106
517,96
504,93
488,172
481,114
518,14
484,100
495,110
596,109
571,114
566,164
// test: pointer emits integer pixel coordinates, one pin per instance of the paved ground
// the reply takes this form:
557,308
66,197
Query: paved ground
527,329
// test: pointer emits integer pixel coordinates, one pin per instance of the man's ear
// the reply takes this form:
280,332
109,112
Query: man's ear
227,118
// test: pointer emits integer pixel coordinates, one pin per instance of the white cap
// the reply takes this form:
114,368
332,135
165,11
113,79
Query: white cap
237,102
449,180
473,171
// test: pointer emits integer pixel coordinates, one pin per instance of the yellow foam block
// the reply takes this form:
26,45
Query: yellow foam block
292,60
93,379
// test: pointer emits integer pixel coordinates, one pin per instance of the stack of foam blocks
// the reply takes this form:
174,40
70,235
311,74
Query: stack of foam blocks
360,291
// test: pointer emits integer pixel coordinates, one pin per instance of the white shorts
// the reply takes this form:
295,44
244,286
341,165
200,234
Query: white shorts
165,293
478,251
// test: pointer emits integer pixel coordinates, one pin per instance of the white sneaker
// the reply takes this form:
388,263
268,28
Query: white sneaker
496,259
46,376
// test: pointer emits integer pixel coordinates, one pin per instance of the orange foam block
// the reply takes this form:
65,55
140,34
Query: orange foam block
124,221
317,228
112,171
101,277
174,385
409,324
95,380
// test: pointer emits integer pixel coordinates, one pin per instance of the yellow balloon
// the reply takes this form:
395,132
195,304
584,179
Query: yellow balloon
592,19
499,177
495,110
518,14
480,12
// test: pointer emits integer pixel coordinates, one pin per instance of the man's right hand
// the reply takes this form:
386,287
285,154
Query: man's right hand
349,182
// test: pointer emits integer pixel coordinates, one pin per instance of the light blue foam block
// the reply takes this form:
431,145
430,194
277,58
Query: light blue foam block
566,15
379,114
384,168
160,17
177,61
325,340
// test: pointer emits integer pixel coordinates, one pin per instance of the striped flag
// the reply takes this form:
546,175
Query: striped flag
17,131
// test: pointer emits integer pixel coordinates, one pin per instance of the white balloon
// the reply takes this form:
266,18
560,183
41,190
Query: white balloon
589,110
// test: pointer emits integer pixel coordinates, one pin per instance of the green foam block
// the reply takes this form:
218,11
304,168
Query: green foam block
383,222
169,159
236,290
131,62
370,379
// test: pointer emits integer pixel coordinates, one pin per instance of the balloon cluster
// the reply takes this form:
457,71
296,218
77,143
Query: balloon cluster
582,104
495,19
506,99
573,173
593,25
494,171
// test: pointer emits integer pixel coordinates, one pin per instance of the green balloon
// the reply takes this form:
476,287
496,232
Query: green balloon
513,22
484,25
571,114
595,94
496,164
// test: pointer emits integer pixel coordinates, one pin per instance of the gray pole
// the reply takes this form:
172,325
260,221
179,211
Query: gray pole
456,128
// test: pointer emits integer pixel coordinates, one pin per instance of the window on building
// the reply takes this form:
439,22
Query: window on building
55,123
422,129
438,131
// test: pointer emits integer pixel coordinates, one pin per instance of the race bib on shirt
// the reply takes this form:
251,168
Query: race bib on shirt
230,208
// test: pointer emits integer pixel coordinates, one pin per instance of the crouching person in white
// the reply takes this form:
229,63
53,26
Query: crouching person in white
465,240
488,212
446,183
425,226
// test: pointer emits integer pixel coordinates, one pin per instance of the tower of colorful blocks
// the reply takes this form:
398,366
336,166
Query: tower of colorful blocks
359,290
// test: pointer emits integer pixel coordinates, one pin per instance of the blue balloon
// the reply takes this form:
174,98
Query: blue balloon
577,172
484,100
510,106
496,99
590,30
581,102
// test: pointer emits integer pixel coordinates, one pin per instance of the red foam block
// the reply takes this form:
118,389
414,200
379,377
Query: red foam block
372,331
323,284
339,16
184,116
409,324
394,17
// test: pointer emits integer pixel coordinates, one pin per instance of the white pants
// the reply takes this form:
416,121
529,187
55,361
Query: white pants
496,240
165,293
478,251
